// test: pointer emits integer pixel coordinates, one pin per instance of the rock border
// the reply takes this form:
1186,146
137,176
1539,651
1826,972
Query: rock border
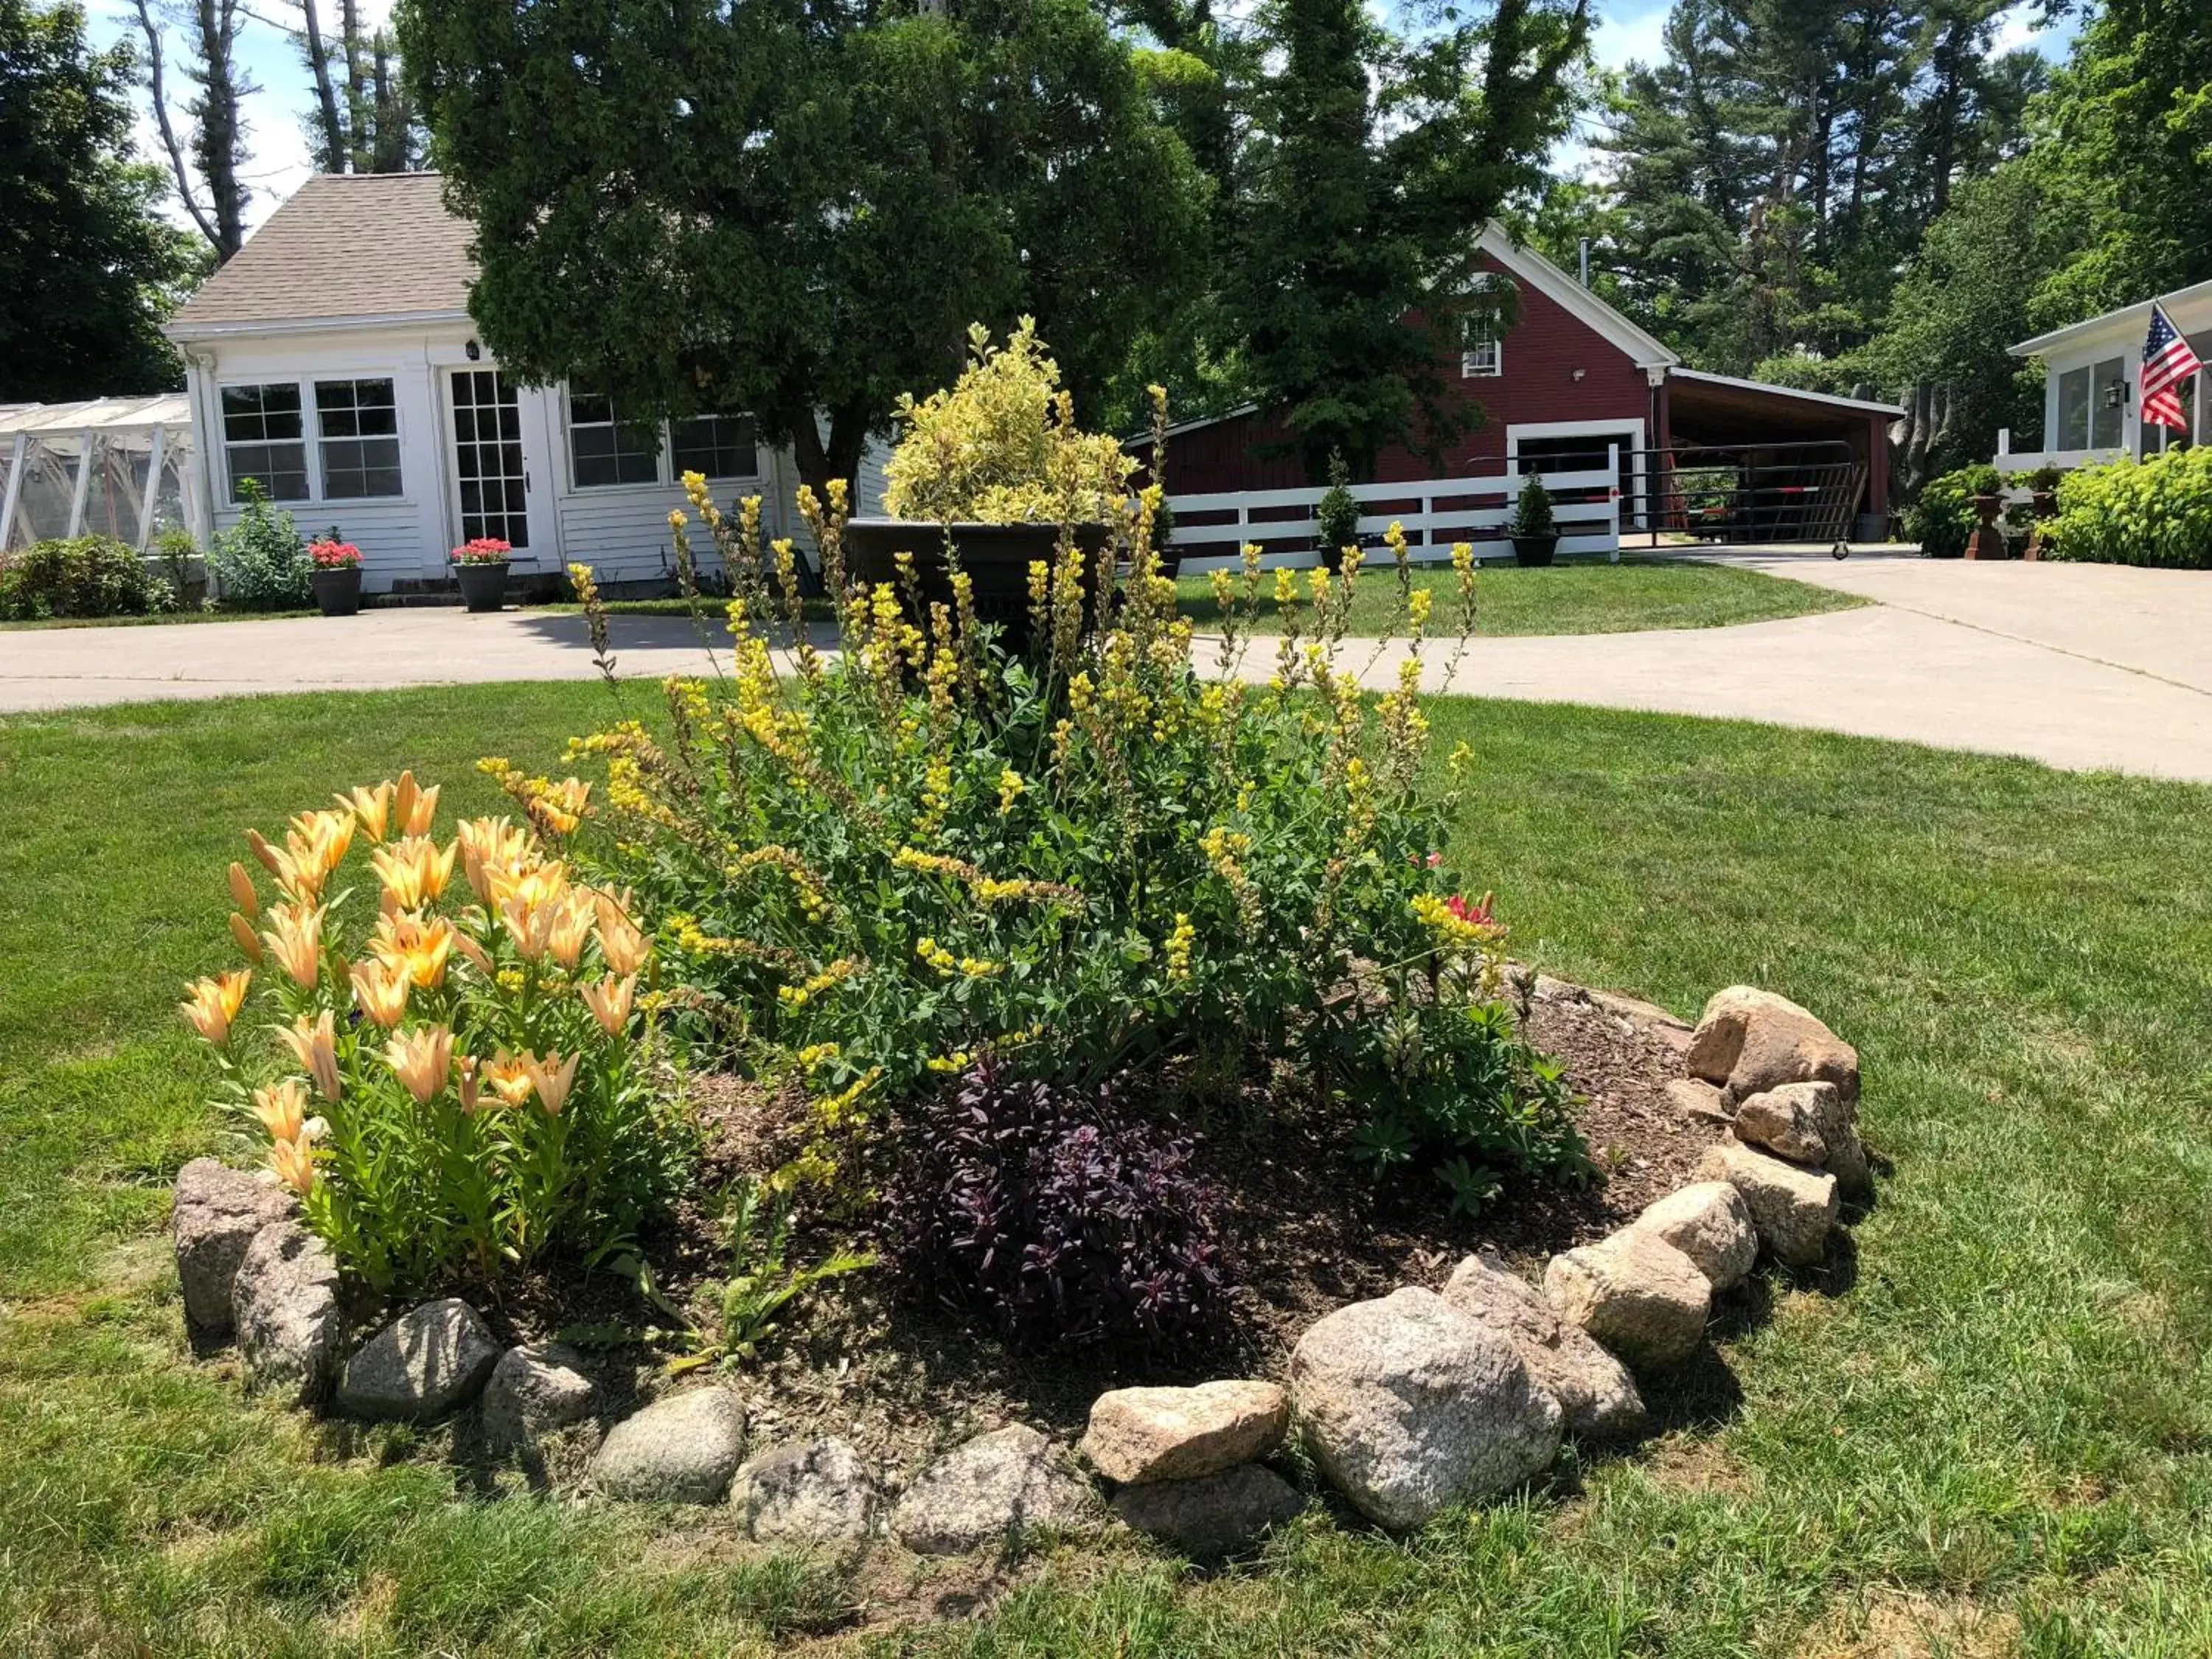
1406,1404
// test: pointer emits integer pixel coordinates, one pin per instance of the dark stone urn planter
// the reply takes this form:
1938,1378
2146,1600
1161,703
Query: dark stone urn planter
1989,542
1534,551
2044,505
337,591
996,556
483,587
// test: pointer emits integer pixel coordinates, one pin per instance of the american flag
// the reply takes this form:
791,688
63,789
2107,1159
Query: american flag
2166,363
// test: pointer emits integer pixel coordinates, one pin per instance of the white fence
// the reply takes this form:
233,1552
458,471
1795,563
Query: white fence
1211,530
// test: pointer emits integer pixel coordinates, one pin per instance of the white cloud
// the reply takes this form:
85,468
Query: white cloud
1630,33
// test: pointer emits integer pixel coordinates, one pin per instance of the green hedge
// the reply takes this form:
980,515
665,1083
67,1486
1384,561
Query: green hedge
2157,512
78,576
1943,519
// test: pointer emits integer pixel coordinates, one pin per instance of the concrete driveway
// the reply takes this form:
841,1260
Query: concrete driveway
2078,666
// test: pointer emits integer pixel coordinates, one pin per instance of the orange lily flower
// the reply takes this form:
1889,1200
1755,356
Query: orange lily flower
382,993
294,1164
488,845
421,1059
281,1109
414,808
370,806
315,1046
408,943
242,931
551,1076
241,889
465,1065
295,939
624,949
610,1002
509,1077
215,1004
413,870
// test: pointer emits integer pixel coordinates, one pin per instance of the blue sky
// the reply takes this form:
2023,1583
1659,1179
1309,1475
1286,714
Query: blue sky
1627,29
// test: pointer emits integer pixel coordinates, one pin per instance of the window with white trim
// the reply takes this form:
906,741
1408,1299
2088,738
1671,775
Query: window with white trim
264,439
357,433
1482,353
718,446
603,451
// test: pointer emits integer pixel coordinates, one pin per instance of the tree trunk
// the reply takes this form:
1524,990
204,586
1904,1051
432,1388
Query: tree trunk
217,145
329,125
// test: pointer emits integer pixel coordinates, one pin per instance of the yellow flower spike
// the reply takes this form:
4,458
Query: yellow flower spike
294,939
242,931
213,1003
552,1078
509,1077
281,1109
314,1045
422,1059
610,1002
293,1161
371,807
381,993
241,889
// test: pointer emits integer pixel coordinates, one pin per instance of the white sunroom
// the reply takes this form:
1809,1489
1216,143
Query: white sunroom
112,466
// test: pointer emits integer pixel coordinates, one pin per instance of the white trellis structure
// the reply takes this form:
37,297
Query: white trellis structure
112,466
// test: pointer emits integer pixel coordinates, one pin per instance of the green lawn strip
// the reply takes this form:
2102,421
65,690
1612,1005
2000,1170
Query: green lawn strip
1993,1413
1575,596
159,619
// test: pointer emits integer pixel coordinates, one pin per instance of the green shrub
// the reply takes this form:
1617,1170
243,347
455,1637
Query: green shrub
1336,515
1088,864
261,562
79,576
1944,518
2157,512
1532,510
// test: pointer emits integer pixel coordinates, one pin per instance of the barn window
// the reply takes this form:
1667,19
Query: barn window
1482,354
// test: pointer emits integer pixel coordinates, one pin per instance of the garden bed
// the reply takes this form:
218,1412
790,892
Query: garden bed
900,1380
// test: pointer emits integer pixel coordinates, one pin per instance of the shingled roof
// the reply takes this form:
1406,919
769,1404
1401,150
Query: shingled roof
345,246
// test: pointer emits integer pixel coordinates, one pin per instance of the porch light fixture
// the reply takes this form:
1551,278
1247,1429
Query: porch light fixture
2116,394
473,351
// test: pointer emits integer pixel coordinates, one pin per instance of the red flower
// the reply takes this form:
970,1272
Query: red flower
484,549
329,554
1476,913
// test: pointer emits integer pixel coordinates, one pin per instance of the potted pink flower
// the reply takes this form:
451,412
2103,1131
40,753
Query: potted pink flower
480,566
335,577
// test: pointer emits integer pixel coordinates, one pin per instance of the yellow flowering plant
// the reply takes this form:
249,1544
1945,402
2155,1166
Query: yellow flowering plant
440,1042
870,868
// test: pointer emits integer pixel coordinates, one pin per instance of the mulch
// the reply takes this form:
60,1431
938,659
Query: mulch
903,1380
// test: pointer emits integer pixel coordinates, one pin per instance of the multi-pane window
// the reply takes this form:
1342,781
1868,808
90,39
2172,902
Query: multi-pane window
1481,355
358,424
603,451
488,466
718,446
2108,382
264,439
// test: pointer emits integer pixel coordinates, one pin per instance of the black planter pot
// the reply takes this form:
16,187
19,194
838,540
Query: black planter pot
483,587
338,590
1534,550
996,556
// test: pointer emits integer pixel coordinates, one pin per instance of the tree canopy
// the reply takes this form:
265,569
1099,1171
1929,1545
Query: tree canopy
88,266
788,207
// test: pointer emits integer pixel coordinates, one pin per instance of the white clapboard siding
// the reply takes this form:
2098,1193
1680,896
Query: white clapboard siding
1211,530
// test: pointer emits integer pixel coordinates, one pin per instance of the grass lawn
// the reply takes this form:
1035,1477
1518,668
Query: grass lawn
1985,1430
1579,596
160,619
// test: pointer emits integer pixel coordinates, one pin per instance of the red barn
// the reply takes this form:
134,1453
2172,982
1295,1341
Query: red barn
1571,385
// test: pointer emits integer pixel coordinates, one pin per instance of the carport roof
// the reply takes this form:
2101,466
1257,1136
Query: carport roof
1752,394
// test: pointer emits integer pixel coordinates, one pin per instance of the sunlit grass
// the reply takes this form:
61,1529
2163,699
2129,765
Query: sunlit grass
1987,1431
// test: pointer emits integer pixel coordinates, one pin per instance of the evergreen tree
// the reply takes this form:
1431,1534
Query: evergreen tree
87,263
1369,169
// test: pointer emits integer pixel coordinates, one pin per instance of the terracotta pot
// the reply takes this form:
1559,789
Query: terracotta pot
483,587
1988,542
338,590
996,556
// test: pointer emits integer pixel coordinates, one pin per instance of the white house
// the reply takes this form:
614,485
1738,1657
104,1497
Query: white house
333,360
2092,380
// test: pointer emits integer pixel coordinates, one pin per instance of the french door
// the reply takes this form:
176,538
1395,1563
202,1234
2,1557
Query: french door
491,470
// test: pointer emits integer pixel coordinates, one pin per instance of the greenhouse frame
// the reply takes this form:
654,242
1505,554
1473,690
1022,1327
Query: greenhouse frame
112,466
